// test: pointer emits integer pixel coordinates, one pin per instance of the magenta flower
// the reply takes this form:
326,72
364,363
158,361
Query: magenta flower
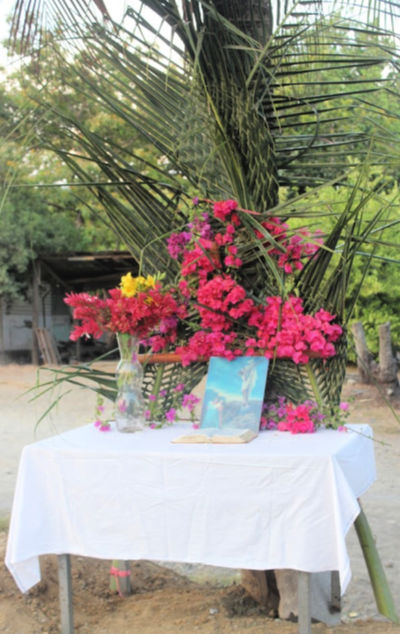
170,415
179,388
189,401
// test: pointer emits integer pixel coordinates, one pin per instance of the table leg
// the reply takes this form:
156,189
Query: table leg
335,602
65,589
304,599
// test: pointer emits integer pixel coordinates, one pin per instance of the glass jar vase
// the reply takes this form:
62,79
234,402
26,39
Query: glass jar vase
129,405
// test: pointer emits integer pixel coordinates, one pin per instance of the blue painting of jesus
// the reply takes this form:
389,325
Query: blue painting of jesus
234,393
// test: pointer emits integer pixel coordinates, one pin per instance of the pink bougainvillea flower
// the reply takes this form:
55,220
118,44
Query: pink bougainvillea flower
224,208
179,388
190,401
170,415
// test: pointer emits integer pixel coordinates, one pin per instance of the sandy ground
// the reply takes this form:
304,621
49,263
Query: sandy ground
209,600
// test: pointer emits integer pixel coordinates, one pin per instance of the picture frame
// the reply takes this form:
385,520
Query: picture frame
234,395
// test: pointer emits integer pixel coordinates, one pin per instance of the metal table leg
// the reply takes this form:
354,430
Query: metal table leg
65,589
304,599
335,604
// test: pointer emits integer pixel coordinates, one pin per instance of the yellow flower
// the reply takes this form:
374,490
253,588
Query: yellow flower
150,281
128,285
132,285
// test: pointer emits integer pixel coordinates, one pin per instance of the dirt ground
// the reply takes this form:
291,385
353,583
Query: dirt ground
199,598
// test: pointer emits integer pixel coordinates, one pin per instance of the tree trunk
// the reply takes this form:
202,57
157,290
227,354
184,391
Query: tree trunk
3,355
386,372
36,279
365,362
387,362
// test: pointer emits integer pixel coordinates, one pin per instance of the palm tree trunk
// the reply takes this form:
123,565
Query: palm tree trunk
244,108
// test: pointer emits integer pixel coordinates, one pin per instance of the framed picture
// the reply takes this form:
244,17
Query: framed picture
234,395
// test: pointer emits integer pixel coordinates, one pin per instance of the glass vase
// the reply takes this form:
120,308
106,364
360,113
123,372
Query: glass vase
129,405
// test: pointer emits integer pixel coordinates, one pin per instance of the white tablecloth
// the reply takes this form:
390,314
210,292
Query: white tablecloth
281,501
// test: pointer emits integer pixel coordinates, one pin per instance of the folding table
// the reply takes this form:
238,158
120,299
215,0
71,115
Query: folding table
282,501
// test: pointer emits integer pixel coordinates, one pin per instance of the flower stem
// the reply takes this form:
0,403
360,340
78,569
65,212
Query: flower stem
156,389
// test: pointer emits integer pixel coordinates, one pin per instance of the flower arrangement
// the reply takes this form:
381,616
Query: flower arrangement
140,306
225,317
235,320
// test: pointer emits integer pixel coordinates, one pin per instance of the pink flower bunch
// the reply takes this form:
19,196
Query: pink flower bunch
302,418
154,310
294,249
177,242
280,328
231,323
200,260
298,419
223,208
284,331
220,301
205,344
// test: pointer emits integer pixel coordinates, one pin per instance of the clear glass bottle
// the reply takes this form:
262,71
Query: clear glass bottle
129,405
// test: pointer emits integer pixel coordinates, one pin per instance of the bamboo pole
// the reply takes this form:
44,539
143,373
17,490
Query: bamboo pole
380,586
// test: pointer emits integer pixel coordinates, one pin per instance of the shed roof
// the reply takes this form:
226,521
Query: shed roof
83,269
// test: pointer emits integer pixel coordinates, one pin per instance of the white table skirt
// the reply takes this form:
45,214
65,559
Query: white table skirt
281,501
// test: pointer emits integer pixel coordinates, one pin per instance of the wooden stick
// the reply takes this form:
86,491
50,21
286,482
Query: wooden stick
174,357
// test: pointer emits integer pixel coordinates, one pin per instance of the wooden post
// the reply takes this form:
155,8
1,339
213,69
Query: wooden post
35,310
65,591
125,582
120,578
304,599
387,361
